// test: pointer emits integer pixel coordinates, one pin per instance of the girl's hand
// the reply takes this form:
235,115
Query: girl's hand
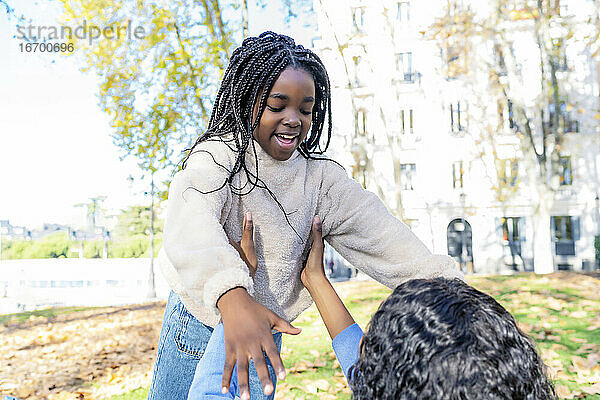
245,247
247,325
314,263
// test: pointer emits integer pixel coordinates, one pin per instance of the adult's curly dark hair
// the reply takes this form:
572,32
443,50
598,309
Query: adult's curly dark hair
442,339
250,75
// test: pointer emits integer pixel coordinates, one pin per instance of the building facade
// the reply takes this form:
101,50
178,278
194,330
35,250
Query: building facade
420,139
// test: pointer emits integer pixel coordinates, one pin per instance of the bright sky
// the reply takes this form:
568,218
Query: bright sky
55,145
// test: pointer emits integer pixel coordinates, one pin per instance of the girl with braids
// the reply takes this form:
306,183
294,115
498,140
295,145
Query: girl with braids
259,167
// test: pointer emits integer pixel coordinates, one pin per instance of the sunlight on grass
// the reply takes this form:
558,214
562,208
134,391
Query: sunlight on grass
45,313
137,394
560,312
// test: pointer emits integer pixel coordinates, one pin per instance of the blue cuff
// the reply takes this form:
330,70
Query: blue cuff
345,345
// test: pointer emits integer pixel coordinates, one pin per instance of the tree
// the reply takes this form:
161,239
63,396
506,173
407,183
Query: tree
515,52
157,85
56,245
133,221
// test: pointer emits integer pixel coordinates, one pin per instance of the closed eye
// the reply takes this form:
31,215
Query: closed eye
275,109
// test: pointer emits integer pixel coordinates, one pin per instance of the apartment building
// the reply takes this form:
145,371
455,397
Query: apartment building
411,131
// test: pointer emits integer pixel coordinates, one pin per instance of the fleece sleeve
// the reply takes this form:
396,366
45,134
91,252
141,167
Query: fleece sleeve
194,240
357,225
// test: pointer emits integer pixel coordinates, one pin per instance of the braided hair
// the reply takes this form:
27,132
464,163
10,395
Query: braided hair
252,71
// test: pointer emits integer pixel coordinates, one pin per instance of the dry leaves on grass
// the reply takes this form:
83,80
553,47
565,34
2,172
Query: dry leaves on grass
60,358
563,310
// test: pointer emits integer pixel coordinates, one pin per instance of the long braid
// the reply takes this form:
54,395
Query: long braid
251,73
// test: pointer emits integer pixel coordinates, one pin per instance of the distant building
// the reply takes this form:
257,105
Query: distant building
393,110
11,232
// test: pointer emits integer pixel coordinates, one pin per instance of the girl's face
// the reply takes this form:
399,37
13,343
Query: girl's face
288,114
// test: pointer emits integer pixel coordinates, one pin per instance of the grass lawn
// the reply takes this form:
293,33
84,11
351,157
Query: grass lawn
560,311
45,313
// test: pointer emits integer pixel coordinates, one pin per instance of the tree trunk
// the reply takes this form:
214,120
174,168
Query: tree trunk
398,181
245,24
151,286
543,261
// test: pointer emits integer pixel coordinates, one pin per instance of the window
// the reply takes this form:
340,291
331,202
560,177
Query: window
457,174
403,11
566,122
407,121
358,18
407,176
361,122
513,234
563,228
565,231
508,171
404,66
402,123
566,173
513,229
458,117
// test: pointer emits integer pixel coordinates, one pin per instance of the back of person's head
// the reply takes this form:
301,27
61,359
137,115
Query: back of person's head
442,339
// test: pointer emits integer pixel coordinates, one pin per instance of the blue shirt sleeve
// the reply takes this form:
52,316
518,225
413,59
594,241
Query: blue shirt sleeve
209,371
345,345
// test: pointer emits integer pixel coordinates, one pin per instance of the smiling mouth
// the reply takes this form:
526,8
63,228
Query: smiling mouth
286,140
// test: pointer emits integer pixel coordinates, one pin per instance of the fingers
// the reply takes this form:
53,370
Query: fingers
275,359
317,231
315,257
262,371
247,242
227,372
242,370
248,230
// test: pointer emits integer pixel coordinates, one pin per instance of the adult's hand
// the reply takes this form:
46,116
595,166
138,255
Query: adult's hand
245,247
313,268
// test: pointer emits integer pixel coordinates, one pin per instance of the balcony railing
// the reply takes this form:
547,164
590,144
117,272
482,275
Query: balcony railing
409,77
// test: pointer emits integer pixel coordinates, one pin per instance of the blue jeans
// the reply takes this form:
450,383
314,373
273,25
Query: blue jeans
181,345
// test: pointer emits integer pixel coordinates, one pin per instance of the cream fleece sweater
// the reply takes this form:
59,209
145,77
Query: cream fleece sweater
200,264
